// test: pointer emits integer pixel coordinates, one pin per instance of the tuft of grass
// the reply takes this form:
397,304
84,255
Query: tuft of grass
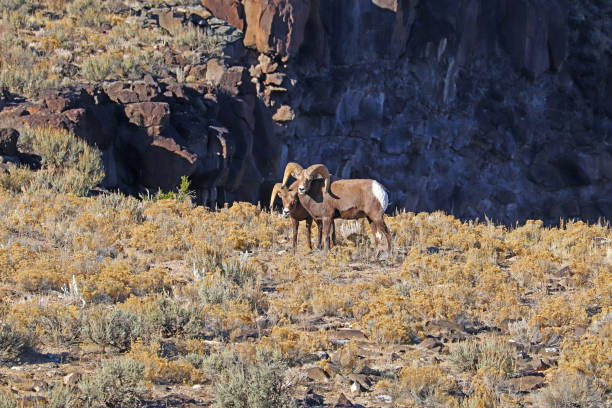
13,342
569,391
70,165
116,328
252,385
492,353
119,383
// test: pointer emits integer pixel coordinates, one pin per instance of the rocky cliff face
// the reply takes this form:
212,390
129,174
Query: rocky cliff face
477,107
498,108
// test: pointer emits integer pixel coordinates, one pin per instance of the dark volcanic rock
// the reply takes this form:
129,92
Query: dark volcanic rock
8,142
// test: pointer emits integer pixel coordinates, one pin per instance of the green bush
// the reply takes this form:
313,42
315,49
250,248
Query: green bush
244,385
174,317
62,396
70,165
119,383
13,342
117,328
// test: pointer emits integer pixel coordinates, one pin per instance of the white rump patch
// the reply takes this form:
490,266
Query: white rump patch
380,194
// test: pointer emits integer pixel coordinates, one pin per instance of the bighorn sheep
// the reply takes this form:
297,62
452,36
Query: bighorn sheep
292,208
347,199
305,177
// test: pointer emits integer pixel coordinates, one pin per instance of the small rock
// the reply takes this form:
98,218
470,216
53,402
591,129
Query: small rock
432,344
526,384
346,334
387,399
197,386
317,374
215,68
275,79
343,402
284,114
356,388
71,379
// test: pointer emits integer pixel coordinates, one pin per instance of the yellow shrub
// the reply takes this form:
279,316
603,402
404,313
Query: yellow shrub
590,356
160,370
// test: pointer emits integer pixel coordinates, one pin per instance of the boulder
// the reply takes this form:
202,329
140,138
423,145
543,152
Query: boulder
276,26
284,114
8,142
147,114
231,11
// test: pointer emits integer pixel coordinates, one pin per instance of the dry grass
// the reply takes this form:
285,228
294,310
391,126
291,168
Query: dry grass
128,275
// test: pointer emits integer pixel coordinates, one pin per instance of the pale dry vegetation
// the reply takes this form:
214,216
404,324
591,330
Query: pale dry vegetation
170,285
46,44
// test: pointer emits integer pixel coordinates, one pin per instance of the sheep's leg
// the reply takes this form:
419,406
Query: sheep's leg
333,231
387,234
320,229
381,227
296,223
308,231
326,227
375,233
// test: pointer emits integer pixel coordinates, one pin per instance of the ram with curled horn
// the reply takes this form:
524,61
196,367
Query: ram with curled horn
293,209
346,199
307,176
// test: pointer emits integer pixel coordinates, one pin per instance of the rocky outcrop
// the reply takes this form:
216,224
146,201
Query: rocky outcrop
154,131
475,107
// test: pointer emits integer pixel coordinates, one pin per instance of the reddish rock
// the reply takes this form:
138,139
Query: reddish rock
121,92
236,80
44,118
215,68
276,26
8,142
148,113
231,11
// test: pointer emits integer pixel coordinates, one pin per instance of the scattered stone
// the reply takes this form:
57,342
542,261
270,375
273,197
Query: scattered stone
343,402
431,344
346,334
387,399
317,374
527,383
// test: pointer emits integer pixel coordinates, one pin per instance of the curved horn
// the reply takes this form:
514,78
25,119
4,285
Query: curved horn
292,169
322,171
275,190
